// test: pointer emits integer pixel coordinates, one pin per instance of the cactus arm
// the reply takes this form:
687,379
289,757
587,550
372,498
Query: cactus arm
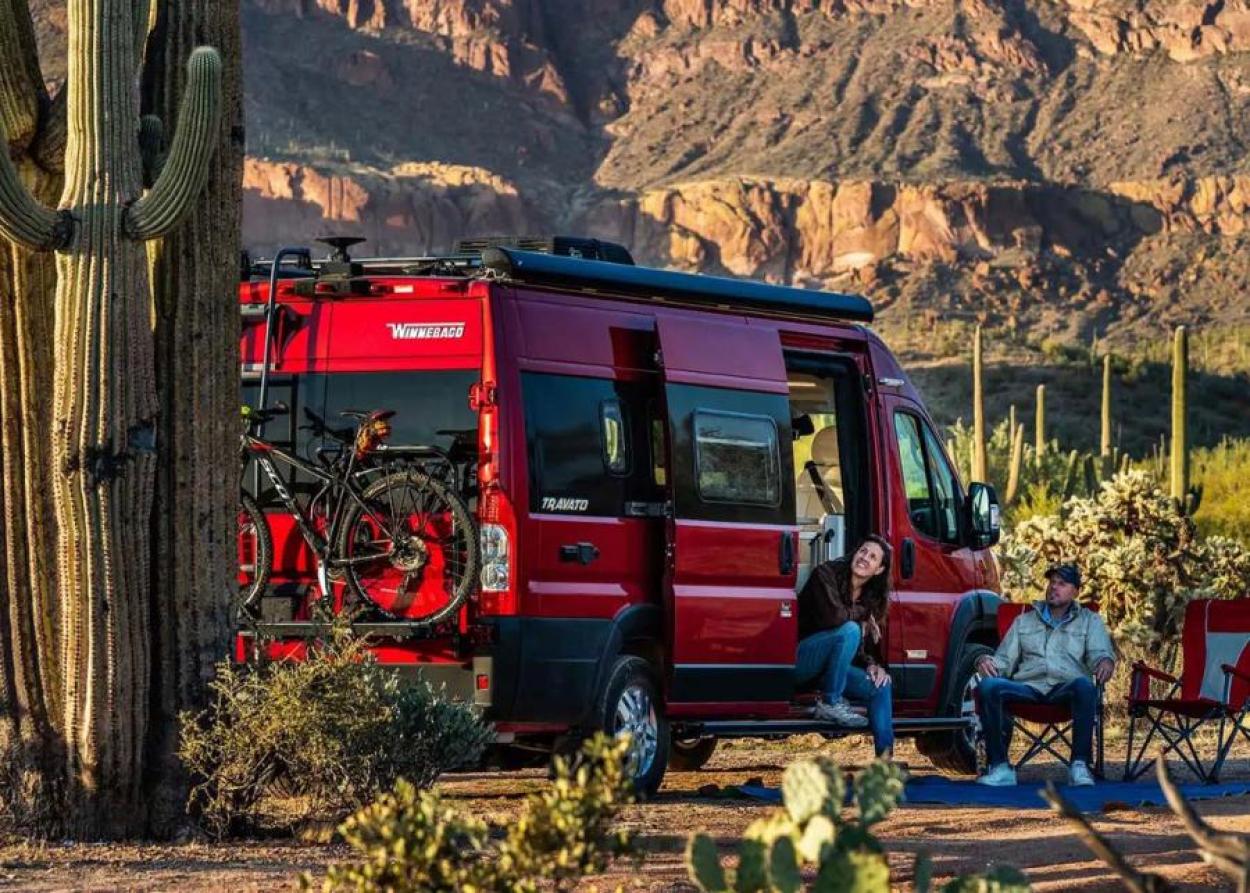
23,219
1039,433
1105,444
151,148
1017,459
1180,446
186,169
21,82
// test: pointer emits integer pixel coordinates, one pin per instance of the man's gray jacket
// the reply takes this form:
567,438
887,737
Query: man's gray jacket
1042,656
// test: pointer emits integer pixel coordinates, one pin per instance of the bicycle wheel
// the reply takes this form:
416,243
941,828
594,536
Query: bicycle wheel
255,545
412,550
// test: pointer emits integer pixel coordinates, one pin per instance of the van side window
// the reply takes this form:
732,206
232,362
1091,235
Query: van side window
581,434
737,458
615,437
659,451
928,481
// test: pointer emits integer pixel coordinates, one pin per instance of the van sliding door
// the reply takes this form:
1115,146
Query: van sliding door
732,541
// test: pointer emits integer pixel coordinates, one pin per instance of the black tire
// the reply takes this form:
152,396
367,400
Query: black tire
629,678
690,754
403,500
959,753
252,533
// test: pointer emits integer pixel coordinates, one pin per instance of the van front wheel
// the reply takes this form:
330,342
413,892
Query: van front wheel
630,704
961,752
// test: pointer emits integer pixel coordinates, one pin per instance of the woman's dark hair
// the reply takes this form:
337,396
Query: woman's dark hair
876,593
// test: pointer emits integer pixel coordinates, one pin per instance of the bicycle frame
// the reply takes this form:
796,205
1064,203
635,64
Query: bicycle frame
341,488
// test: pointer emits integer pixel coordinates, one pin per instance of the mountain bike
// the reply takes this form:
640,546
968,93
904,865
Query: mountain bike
402,540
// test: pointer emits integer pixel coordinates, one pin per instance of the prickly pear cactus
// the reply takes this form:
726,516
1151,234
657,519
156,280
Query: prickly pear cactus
878,789
811,788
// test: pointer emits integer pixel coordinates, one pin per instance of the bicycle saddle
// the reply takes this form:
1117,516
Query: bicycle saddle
260,416
362,415
319,427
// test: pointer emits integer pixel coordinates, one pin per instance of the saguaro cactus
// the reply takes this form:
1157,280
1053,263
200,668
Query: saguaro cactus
1180,445
1017,459
978,410
104,400
1039,429
1105,442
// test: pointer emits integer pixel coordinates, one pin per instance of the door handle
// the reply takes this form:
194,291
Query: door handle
584,553
785,557
907,562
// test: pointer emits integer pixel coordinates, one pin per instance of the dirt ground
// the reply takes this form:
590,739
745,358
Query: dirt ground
957,839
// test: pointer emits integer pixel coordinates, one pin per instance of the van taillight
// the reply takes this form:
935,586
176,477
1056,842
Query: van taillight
496,573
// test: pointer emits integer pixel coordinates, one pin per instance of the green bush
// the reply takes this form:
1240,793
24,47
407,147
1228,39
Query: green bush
287,741
813,831
1142,558
410,840
1222,472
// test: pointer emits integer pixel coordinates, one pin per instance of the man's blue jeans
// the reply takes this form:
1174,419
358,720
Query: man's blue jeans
827,655
995,693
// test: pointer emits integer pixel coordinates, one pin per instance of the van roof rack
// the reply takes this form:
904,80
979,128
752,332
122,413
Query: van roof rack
466,260
537,268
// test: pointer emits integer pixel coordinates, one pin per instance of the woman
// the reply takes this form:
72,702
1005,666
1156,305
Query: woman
842,613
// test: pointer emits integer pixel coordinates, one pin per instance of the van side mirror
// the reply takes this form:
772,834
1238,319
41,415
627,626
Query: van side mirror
983,517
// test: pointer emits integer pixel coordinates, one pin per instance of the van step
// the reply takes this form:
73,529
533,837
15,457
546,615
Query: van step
754,728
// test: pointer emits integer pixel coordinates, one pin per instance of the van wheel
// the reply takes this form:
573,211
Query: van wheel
689,754
630,703
963,752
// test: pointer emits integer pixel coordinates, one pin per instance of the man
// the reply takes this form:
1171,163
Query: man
1047,657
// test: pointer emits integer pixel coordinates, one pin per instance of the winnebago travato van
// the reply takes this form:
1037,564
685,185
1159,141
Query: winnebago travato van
653,462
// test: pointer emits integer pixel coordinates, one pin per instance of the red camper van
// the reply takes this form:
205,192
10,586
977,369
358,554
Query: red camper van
653,461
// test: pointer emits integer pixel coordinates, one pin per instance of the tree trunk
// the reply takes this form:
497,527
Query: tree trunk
195,283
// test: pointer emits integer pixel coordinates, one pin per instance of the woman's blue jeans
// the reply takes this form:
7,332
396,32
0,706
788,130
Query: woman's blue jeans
827,655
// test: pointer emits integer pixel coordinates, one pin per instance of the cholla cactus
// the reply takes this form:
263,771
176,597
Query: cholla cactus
1140,553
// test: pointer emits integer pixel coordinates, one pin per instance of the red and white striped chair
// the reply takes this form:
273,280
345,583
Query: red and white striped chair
1214,687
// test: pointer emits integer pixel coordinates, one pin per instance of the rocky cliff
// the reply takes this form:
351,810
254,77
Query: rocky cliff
1070,168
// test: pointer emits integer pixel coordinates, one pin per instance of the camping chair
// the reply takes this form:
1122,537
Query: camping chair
1214,686
1055,735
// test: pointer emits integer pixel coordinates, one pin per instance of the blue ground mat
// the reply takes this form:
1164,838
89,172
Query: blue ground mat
933,789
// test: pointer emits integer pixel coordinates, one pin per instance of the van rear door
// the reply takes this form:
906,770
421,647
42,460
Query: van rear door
732,540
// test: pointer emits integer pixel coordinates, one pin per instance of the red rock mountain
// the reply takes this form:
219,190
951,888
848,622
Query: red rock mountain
1059,169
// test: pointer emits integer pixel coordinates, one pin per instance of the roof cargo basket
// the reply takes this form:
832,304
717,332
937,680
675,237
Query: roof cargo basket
584,275
564,246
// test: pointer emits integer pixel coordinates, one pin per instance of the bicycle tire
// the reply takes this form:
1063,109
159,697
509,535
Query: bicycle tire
250,515
454,514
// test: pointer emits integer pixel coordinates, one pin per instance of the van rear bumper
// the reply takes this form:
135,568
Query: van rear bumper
546,670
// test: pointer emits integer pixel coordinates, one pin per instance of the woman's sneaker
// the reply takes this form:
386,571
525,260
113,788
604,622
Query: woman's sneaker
1000,776
1079,774
841,713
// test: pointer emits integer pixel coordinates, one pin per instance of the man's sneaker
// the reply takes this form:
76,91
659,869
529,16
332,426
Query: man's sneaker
841,713
1000,776
1079,774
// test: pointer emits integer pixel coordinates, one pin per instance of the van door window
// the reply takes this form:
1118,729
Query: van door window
737,458
945,490
930,485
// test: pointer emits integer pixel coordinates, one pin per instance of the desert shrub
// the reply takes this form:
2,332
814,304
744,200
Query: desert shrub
410,840
1143,559
318,737
1222,471
813,830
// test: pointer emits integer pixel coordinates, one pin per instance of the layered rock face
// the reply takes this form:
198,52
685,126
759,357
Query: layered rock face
980,156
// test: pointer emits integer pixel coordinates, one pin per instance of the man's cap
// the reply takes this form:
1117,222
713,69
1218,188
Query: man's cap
1069,573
